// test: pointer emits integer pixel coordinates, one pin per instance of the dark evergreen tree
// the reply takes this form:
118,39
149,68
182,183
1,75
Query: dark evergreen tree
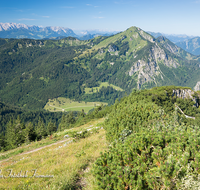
40,129
51,128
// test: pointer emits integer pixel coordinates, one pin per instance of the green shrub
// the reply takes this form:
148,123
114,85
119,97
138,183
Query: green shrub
152,158
151,145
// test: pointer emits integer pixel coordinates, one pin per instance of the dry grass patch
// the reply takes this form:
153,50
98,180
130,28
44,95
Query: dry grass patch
56,138
64,161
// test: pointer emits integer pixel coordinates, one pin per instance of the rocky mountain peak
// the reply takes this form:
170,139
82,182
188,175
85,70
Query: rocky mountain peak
12,26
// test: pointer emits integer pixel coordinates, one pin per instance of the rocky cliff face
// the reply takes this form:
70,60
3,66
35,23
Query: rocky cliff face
186,94
183,93
112,48
197,86
146,36
147,71
171,47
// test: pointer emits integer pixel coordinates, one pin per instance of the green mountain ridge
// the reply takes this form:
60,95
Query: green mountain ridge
33,71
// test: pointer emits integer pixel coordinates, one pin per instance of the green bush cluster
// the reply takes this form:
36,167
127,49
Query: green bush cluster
152,158
132,117
151,147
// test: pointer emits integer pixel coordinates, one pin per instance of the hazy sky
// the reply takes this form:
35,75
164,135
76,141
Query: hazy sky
166,16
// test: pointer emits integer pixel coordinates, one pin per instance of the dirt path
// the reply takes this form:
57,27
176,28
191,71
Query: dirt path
37,149
187,116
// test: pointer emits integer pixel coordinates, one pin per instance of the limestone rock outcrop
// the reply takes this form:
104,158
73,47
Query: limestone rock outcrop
112,48
148,70
197,86
183,93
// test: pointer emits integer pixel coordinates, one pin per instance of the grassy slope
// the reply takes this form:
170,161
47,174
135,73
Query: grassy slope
131,34
65,104
69,164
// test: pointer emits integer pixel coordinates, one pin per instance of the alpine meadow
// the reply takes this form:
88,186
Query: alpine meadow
112,112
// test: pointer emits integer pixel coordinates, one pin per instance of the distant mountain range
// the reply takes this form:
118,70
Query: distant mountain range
14,30
175,38
92,32
191,45
90,36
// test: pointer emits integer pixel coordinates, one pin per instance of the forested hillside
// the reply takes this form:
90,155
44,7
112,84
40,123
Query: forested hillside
8,112
33,71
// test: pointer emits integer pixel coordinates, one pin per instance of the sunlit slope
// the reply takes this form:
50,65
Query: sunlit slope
65,104
63,163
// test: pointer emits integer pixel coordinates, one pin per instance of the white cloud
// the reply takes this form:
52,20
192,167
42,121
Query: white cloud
46,16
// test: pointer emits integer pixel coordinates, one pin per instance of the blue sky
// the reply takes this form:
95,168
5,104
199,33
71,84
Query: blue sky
166,16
